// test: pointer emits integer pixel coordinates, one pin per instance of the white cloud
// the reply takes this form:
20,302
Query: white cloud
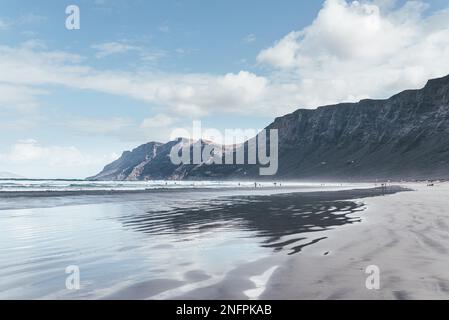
19,97
4,24
201,94
99,126
158,127
187,94
164,28
37,161
24,19
152,55
350,51
30,151
250,38
109,48
113,48
362,49
283,53
155,128
158,121
27,67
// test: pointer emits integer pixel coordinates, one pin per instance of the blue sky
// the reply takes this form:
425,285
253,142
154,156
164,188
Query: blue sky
73,100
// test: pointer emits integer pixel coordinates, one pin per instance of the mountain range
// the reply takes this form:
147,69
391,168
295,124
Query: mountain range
403,137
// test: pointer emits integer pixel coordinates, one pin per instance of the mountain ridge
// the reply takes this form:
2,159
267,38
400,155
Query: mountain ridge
402,137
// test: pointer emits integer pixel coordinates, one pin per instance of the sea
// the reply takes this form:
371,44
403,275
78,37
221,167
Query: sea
72,239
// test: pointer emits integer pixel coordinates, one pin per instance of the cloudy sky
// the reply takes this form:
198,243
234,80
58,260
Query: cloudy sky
73,100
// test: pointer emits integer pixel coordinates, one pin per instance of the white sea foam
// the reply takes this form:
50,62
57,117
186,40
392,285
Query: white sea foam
80,185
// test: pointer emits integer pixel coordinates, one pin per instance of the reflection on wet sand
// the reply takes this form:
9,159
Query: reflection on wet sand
162,245
281,221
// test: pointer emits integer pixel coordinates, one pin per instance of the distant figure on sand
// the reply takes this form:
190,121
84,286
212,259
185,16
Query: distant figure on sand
383,188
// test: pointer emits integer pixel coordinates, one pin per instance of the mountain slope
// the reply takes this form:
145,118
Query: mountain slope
9,175
124,168
405,136
150,161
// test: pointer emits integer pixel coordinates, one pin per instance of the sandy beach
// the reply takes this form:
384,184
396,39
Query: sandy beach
195,244
300,260
405,235
262,244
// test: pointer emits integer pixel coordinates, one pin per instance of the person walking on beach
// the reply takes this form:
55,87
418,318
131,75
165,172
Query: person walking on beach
383,188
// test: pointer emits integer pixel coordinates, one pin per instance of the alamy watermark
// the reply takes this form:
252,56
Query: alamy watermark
73,281
73,20
372,282
235,146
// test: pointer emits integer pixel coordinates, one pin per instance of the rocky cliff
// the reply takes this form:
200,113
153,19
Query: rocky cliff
403,137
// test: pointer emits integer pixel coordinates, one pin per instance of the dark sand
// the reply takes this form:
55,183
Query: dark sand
405,236
272,217
245,246
286,223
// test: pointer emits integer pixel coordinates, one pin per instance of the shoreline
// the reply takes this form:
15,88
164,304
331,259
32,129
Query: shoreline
287,189
252,279
255,235
51,193
404,235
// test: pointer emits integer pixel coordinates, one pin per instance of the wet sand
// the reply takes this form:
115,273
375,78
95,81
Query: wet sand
406,235
285,223
225,244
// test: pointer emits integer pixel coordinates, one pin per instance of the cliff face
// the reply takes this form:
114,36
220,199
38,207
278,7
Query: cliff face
150,161
405,136
127,166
